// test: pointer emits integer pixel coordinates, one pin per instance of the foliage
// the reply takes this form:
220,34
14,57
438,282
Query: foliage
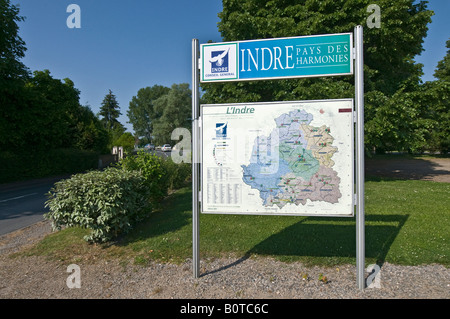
411,122
12,47
47,119
127,141
28,165
173,110
153,171
141,111
158,110
431,131
47,115
109,112
160,174
443,68
89,133
392,78
46,131
109,203
44,128
179,173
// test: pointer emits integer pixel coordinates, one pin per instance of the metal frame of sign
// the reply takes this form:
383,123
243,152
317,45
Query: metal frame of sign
357,70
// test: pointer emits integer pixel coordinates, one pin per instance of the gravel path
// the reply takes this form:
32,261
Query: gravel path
249,278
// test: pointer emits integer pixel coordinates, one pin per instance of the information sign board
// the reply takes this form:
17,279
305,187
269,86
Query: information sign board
278,158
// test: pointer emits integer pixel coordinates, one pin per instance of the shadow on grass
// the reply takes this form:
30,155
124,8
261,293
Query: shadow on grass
175,213
324,237
332,241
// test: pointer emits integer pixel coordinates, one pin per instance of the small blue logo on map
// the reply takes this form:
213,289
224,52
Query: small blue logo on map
221,130
219,61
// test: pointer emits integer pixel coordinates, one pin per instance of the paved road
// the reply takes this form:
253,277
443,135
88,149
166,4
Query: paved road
22,203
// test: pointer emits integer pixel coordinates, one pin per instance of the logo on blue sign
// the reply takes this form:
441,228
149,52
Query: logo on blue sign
219,61
221,130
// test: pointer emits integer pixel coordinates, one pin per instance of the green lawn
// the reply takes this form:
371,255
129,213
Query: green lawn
407,222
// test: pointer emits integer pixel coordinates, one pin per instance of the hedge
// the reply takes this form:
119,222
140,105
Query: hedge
23,165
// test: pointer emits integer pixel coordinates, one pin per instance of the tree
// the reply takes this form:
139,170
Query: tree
443,68
172,110
12,47
39,115
42,116
141,110
389,54
13,73
110,112
89,133
435,99
389,50
127,141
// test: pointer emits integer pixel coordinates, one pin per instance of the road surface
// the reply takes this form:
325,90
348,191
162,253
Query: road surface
22,203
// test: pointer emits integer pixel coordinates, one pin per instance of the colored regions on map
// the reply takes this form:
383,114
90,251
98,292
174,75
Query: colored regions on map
294,163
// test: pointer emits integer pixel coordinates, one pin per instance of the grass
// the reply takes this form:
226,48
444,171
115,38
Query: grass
407,222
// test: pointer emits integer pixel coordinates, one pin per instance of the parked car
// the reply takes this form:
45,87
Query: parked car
166,148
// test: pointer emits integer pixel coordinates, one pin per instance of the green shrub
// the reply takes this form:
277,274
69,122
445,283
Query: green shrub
153,171
108,203
179,174
161,174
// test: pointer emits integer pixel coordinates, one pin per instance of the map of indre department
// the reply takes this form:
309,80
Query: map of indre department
293,158
294,163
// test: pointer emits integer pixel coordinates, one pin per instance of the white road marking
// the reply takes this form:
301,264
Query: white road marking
18,197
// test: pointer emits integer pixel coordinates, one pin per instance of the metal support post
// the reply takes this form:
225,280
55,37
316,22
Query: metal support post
195,160
359,103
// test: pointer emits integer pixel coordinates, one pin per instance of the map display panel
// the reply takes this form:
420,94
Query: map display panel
278,158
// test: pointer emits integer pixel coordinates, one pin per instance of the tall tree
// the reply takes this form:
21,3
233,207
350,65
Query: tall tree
48,117
13,74
173,110
389,51
110,112
88,131
443,68
12,47
141,111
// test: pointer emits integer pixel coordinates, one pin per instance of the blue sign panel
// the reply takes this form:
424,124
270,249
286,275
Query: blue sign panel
309,56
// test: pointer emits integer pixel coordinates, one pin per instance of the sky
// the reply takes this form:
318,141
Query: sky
123,46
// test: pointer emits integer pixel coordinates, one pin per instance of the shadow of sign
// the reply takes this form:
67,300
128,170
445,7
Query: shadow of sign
324,237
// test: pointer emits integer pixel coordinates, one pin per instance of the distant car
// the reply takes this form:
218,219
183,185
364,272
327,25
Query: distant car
150,147
166,148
